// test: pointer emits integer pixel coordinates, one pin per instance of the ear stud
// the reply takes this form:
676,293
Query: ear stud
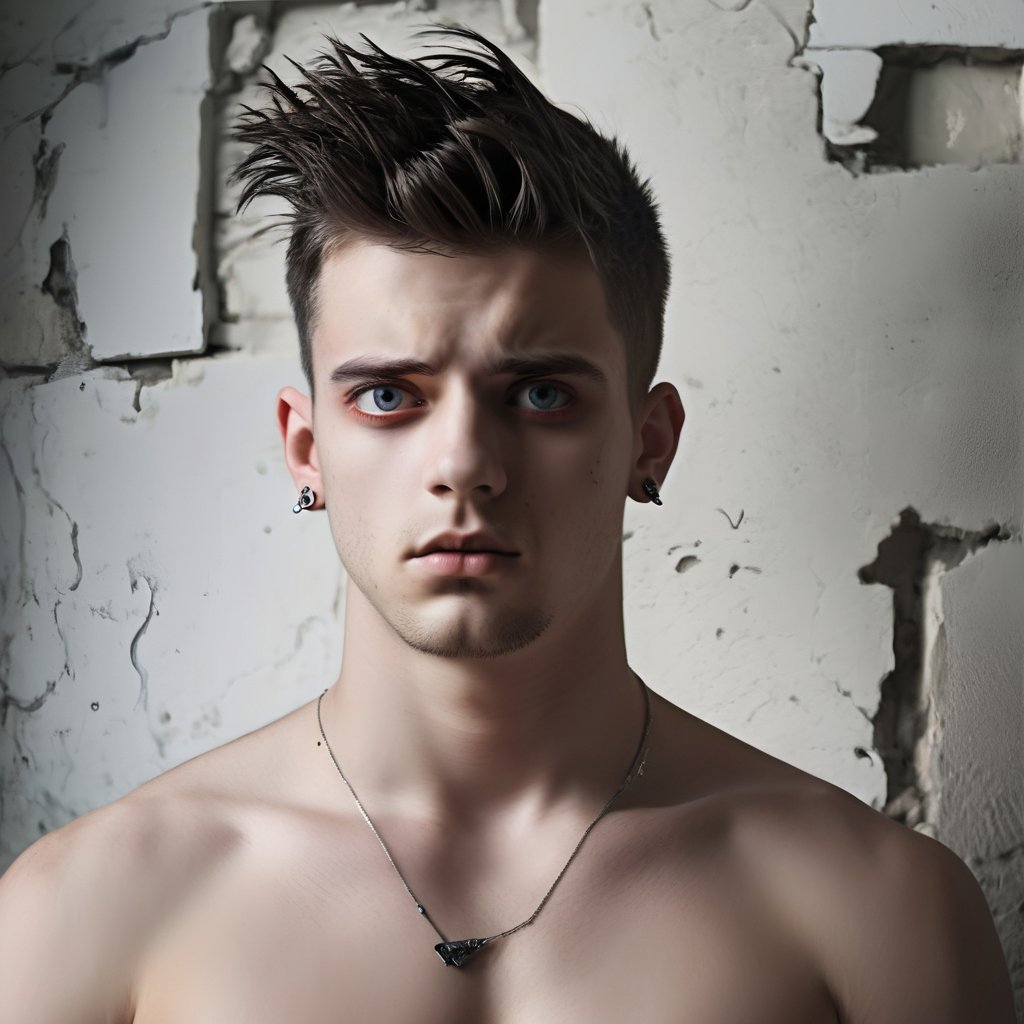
651,490
306,498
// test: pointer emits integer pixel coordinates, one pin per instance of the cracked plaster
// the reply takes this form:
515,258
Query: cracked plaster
912,561
97,157
80,33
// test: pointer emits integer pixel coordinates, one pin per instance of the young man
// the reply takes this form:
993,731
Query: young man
487,817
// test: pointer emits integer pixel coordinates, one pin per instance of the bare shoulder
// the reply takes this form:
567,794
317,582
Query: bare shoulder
91,896
87,897
895,922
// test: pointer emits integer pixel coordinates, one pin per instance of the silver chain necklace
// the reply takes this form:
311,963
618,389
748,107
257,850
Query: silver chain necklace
456,952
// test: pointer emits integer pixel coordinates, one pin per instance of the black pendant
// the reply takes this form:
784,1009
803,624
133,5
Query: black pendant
455,954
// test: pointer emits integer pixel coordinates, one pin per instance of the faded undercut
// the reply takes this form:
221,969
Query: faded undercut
455,152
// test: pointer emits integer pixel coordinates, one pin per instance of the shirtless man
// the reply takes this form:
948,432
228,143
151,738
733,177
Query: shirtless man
484,713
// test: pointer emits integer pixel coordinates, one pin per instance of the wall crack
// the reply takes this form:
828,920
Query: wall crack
94,70
133,650
911,555
45,164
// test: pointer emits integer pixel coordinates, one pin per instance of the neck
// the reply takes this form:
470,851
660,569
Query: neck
463,740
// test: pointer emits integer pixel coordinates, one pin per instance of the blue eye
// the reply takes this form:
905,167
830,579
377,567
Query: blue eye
544,397
385,398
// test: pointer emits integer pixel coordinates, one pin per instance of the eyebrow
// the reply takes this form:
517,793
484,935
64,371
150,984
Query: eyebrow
379,369
363,368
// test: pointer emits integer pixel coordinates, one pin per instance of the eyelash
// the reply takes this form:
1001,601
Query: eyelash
354,395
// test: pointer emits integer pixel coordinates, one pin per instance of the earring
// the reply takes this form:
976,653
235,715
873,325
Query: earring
651,490
306,498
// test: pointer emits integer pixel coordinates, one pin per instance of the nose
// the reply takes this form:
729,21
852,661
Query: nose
464,456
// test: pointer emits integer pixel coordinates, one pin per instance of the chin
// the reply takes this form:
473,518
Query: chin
465,639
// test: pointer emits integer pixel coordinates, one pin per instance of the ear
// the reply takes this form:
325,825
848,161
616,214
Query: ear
659,422
295,421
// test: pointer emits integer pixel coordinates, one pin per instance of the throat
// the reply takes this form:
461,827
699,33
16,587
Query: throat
458,952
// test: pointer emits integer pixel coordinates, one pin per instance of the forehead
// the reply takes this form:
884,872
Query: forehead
377,301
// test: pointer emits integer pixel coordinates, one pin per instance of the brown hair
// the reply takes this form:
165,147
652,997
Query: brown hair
460,157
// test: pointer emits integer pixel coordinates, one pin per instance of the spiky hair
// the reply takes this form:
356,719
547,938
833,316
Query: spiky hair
454,152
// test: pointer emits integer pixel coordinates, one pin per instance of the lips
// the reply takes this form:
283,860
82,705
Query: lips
463,563
464,544
464,554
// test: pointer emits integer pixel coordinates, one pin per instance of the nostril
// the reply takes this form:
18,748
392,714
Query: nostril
462,475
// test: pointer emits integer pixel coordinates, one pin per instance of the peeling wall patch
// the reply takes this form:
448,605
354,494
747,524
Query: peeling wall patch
906,107
909,561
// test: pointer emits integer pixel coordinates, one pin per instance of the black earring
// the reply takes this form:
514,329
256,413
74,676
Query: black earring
306,498
651,490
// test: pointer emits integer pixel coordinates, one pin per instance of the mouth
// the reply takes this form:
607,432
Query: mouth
464,562
467,555
464,545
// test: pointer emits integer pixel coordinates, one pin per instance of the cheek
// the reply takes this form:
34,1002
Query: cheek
584,498
359,471
376,463
563,485
608,466
355,504
597,453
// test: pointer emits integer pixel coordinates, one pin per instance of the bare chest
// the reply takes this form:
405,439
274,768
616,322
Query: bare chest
334,938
